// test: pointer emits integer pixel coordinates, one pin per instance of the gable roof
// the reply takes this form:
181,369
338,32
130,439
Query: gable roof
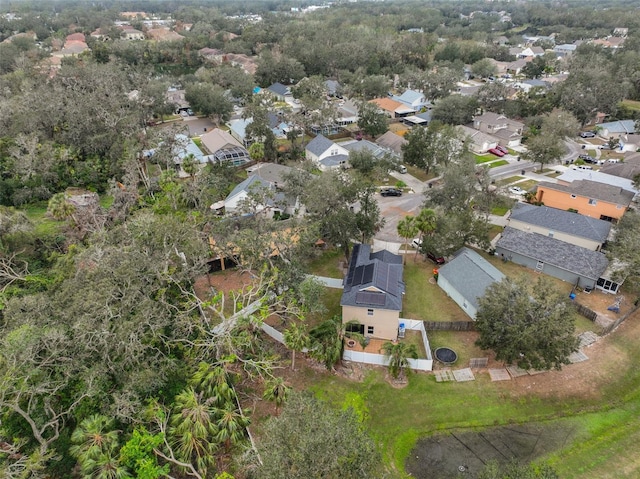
470,274
332,86
391,141
620,126
562,221
575,259
491,118
319,145
626,169
185,146
594,190
279,89
374,280
218,139
388,104
476,136
363,145
250,183
571,175
271,172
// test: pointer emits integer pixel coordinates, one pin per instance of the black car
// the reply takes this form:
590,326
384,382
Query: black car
588,159
391,192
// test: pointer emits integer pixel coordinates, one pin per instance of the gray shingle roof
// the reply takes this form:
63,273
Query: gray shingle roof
369,271
279,89
594,190
335,160
470,274
562,221
578,260
319,145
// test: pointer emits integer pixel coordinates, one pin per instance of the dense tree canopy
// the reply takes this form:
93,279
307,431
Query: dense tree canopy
528,325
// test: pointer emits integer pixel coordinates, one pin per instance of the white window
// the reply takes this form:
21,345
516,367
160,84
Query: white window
369,312
593,202
369,329
334,152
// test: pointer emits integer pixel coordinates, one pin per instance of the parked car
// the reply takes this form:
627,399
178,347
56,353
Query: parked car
588,159
496,152
416,243
502,149
516,190
436,259
587,134
190,112
391,192
606,146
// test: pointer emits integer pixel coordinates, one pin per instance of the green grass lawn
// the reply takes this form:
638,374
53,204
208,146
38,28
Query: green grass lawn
106,201
500,210
43,224
327,264
631,104
484,158
419,173
421,295
509,180
498,163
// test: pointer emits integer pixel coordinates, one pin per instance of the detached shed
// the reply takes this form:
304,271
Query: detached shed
466,278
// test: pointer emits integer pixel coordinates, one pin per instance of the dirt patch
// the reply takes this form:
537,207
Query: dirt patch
464,454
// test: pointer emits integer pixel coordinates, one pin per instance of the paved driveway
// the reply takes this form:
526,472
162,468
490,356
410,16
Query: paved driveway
393,209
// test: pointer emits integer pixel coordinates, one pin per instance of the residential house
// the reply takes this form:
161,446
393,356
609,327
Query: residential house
508,132
466,278
373,291
527,85
347,114
224,148
364,145
164,34
579,230
326,154
501,40
515,67
421,119
413,99
629,142
177,98
531,52
333,88
130,33
74,45
628,169
479,142
392,108
238,127
575,174
264,183
392,142
564,50
279,91
586,197
609,42
576,265
620,32
184,147
615,129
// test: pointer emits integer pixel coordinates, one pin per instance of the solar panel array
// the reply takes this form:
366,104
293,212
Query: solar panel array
367,297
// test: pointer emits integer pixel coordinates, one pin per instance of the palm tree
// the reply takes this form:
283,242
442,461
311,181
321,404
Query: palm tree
276,391
426,223
192,428
296,339
231,425
94,437
105,466
398,355
214,383
326,341
407,229
59,207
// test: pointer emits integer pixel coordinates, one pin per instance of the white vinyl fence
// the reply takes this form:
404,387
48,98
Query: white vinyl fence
382,360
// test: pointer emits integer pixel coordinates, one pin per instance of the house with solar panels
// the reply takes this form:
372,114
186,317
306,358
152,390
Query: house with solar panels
373,291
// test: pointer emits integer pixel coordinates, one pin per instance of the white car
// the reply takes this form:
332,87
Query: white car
416,243
516,190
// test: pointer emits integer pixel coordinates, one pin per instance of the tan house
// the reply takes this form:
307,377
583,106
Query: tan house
589,198
373,291
224,148
579,230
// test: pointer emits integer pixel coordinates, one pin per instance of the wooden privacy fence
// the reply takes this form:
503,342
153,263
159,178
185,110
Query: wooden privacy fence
449,325
586,312
618,321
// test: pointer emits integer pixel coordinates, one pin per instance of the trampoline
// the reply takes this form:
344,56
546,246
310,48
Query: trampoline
446,355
